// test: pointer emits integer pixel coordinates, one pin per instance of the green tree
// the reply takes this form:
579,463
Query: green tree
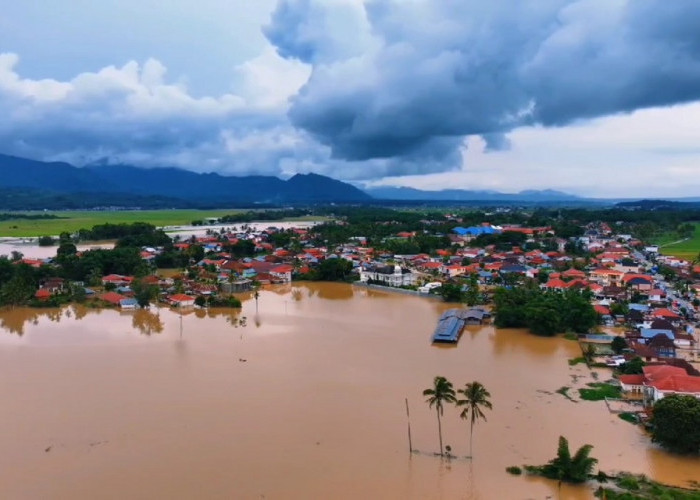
476,397
676,423
16,291
564,467
632,367
144,293
46,241
451,292
589,352
618,345
336,269
442,392
471,296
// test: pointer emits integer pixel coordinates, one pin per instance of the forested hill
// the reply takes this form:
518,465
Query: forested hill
116,184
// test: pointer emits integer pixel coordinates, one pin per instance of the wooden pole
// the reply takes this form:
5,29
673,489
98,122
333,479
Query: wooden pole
408,418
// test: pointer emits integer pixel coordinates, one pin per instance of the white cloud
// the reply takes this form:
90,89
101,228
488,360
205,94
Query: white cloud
652,153
134,114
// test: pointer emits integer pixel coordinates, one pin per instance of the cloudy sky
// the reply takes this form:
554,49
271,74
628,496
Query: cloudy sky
593,97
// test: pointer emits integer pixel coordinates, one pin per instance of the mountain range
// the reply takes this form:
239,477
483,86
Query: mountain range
174,185
31,185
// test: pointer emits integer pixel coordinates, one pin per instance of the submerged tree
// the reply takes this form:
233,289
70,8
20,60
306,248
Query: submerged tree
476,397
564,467
441,392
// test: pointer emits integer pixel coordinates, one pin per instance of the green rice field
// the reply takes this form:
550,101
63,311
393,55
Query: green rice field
688,249
72,221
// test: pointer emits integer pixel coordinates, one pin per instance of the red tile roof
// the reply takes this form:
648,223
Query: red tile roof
631,379
664,313
180,297
602,310
678,383
556,283
112,298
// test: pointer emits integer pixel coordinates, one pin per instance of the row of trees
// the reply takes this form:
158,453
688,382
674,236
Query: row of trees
544,312
475,400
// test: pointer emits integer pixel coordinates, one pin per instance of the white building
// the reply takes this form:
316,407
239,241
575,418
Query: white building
388,275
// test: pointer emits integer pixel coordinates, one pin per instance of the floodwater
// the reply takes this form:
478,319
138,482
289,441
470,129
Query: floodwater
29,248
303,399
188,231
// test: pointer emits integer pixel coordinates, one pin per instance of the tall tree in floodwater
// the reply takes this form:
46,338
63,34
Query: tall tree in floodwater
441,392
476,397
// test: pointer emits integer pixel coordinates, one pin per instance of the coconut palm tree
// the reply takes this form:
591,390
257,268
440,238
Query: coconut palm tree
441,392
476,397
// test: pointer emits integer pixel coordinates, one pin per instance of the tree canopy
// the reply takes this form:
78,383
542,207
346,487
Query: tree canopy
544,312
676,423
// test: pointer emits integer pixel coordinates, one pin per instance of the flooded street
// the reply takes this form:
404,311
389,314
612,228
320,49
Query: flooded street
304,399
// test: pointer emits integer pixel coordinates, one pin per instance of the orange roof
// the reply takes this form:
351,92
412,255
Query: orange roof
284,268
180,297
577,283
602,310
555,283
631,379
654,373
112,297
604,270
573,273
678,383
664,313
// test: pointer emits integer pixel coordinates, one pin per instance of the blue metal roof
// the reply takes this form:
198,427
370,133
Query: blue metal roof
638,307
649,333
475,230
449,327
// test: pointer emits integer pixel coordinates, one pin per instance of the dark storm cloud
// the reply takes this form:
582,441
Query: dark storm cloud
440,69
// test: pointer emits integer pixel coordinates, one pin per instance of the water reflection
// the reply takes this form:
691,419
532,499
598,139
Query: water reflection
507,341
147,322
336,293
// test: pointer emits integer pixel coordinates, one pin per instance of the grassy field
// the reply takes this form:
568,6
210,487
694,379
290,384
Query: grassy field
73,221
686,250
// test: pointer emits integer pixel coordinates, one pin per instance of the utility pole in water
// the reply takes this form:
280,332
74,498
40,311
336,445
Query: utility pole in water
408,418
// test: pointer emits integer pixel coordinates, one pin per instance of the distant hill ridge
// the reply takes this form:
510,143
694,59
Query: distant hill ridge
405,193
172,183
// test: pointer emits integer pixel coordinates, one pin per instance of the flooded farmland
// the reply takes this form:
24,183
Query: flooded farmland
303,399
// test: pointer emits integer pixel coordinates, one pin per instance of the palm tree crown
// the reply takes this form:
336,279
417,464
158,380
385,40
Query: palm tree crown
441,392
574,469
476,397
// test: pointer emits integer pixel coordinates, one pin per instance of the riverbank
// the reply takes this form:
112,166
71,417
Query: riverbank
205,404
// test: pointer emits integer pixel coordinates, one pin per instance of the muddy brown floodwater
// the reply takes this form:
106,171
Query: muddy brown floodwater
304,399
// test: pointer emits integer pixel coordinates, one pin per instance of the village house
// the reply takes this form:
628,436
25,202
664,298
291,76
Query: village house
119,300
180,300
117,280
